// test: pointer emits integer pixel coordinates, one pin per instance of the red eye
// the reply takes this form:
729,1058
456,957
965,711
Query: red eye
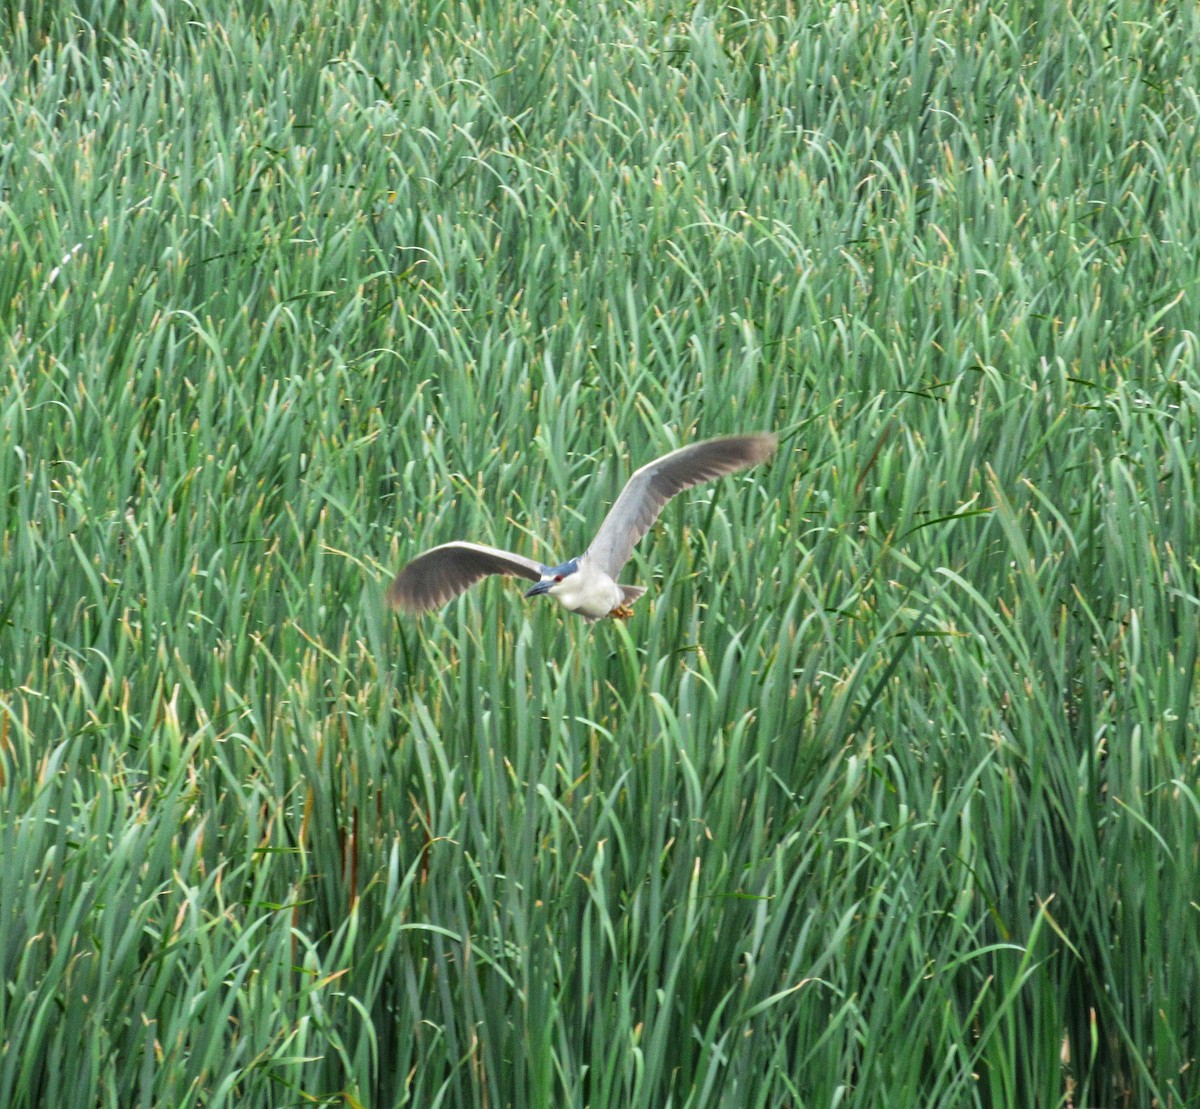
558,577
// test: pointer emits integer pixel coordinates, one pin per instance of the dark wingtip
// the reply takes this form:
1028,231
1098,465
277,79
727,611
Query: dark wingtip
748,450
397,596
408,594
765,443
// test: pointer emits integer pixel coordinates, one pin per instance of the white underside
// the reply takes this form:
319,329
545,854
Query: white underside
594,594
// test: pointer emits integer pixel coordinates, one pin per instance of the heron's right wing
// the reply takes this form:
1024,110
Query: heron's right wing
441,574
647,492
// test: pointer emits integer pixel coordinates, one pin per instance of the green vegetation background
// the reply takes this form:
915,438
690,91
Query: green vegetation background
888,794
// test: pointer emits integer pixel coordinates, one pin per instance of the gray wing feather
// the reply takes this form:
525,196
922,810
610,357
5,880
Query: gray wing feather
442,573
647,492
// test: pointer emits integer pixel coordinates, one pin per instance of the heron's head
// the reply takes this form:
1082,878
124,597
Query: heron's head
555,579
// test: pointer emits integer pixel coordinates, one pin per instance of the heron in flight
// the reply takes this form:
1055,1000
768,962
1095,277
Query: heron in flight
588,584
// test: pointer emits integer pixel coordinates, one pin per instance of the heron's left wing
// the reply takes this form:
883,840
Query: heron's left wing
647,492
442,573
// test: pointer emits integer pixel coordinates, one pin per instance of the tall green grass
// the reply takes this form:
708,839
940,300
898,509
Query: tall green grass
887,796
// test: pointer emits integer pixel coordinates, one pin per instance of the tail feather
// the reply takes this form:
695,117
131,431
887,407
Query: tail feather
630,593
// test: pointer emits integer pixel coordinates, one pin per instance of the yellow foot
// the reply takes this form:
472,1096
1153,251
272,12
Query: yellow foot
621,612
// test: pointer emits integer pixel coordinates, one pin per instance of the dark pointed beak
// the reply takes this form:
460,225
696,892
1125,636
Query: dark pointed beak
541,587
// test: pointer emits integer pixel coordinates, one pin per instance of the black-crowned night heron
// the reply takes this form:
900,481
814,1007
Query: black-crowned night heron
587,584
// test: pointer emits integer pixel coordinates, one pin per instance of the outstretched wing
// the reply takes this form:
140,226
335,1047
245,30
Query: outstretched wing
653,485
440,574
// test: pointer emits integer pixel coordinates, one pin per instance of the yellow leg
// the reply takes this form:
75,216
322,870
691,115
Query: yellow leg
621,612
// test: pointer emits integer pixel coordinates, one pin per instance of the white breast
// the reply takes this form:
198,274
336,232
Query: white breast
590,594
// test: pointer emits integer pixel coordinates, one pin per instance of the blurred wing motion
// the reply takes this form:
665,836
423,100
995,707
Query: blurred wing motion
442,573
647,492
